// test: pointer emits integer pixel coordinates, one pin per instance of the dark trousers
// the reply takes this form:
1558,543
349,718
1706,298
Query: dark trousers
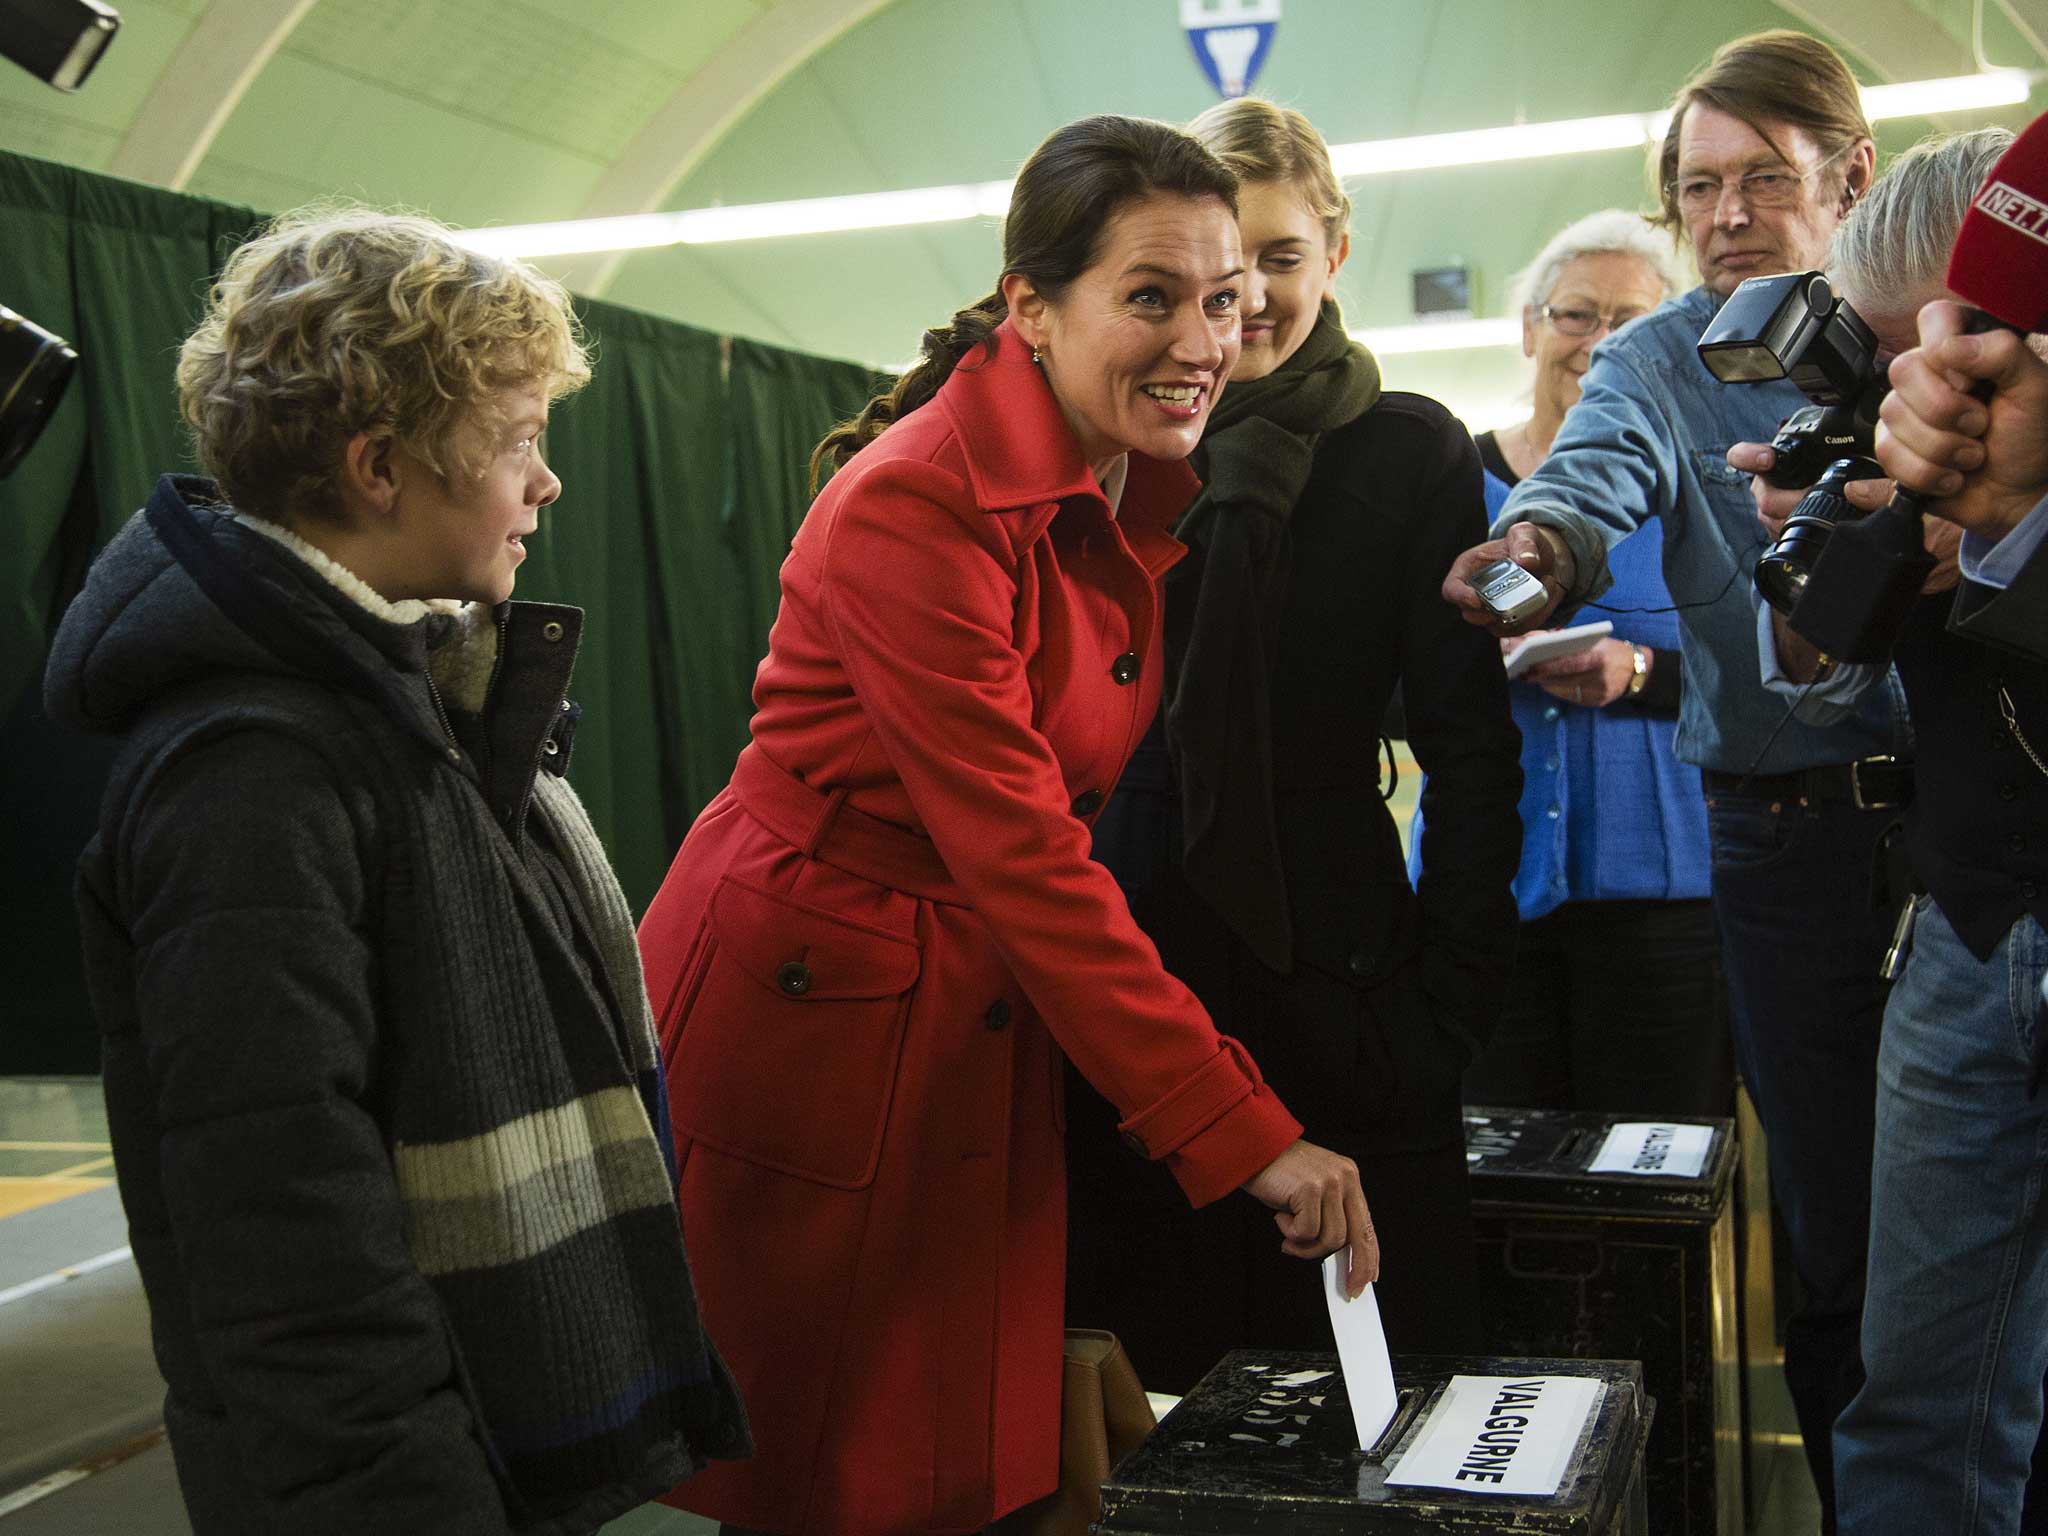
1181,1288
1802,945
1370,1074
1617,1007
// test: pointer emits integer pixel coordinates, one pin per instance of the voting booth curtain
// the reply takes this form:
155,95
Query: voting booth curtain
684,470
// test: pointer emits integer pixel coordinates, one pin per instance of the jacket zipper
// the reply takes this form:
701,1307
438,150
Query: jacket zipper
441,712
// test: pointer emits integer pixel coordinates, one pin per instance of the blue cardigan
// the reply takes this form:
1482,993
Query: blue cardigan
1608,811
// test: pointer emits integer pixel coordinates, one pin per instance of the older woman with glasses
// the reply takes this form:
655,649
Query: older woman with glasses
1616,1001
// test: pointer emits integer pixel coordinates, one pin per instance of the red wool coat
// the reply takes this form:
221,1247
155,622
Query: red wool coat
875,943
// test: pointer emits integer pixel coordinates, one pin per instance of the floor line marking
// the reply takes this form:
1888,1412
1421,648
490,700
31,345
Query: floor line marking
56,1146
81,1169
57,1482
57,1277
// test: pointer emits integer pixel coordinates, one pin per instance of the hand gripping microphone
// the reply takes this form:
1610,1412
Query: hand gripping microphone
1866,580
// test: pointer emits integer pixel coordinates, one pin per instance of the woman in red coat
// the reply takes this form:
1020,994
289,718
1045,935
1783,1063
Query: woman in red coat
879,939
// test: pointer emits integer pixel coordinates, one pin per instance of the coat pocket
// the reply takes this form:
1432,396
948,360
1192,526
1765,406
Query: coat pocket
787,1041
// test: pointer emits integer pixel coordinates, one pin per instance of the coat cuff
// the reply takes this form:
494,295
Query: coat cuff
1217,1128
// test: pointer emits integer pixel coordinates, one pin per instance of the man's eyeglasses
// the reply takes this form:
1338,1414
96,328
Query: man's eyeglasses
1777,187
1584,322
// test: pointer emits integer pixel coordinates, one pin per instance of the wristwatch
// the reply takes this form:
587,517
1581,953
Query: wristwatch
1640,660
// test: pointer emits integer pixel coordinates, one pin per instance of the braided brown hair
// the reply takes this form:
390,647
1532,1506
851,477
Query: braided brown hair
1079,179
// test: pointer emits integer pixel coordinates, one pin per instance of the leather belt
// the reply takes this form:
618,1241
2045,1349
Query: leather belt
1870,784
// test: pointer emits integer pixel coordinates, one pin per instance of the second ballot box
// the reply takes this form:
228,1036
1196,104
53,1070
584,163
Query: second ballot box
1265,1445
1597,1242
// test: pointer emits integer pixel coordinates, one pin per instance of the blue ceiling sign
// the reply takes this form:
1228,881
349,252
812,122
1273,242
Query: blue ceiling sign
1231,39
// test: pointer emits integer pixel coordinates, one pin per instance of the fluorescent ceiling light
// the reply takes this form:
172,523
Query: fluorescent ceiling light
1372,157
1961,93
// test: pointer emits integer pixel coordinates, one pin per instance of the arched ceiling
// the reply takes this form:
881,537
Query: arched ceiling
515,111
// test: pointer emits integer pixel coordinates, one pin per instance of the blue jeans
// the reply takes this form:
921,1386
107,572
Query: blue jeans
1802,944
1955,1328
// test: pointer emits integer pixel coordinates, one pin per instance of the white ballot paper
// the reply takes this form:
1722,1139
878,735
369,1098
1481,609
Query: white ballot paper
1361,1350
1499,1434
1655,1148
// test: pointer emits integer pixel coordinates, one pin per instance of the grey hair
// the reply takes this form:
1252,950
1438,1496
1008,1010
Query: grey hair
1897,239
1610,231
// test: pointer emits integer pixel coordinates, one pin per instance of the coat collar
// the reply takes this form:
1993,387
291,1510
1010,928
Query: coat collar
1021,455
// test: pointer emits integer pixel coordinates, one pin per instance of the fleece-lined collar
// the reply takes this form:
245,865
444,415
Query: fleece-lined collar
462,643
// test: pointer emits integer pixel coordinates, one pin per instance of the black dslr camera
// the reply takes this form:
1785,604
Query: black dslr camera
1794,327
34,368
1853,604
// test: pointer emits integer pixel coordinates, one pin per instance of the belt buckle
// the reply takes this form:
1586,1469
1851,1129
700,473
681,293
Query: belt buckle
1856,783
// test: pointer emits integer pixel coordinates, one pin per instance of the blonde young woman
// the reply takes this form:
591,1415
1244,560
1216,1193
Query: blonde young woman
1251,833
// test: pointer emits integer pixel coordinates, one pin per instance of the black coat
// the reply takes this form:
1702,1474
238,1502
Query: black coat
381,1092
1392,989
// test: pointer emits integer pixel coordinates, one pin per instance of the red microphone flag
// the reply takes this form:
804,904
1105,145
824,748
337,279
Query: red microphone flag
2000,260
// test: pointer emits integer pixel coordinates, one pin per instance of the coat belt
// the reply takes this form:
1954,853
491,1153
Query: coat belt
824,827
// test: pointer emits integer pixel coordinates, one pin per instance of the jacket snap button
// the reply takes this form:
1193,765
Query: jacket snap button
551,630
1135,1142
1361,964
1087,803
794,977
1125,668
998,1014
455,754
550,746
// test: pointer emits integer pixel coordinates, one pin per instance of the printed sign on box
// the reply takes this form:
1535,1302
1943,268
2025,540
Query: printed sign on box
1654,1148
1499,1434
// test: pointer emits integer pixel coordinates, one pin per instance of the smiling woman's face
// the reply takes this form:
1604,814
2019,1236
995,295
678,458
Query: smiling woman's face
1139,344
1290,268
1613,287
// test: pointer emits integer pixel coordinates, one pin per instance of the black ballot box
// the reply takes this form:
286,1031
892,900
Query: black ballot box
1621,1266
1219,1465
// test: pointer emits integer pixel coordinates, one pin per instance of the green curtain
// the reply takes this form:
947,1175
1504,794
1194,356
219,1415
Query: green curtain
682,483
635,541
783,403
120,271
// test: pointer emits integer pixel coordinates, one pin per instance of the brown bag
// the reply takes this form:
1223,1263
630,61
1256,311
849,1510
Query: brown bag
1104,1413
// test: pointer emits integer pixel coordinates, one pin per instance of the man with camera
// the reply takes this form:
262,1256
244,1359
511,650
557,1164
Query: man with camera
1955,1323
1767,150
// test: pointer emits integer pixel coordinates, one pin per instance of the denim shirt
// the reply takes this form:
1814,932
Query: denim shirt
1649,438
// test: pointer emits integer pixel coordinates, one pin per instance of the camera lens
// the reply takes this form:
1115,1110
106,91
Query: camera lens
34,368
1783,569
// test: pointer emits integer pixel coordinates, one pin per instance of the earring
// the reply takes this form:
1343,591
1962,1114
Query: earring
1038,357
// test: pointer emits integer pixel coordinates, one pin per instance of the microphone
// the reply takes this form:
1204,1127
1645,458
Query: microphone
1866,581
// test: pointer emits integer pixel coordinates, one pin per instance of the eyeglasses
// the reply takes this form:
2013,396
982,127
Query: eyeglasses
1776,188
1584,322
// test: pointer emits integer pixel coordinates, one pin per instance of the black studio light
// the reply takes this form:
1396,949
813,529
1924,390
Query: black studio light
57,41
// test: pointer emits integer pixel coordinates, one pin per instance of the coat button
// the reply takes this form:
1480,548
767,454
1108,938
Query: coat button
1360,964
551,631
794,977
998,1015
1125,668
1135,1142
2016,843
2008,791
1087,803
